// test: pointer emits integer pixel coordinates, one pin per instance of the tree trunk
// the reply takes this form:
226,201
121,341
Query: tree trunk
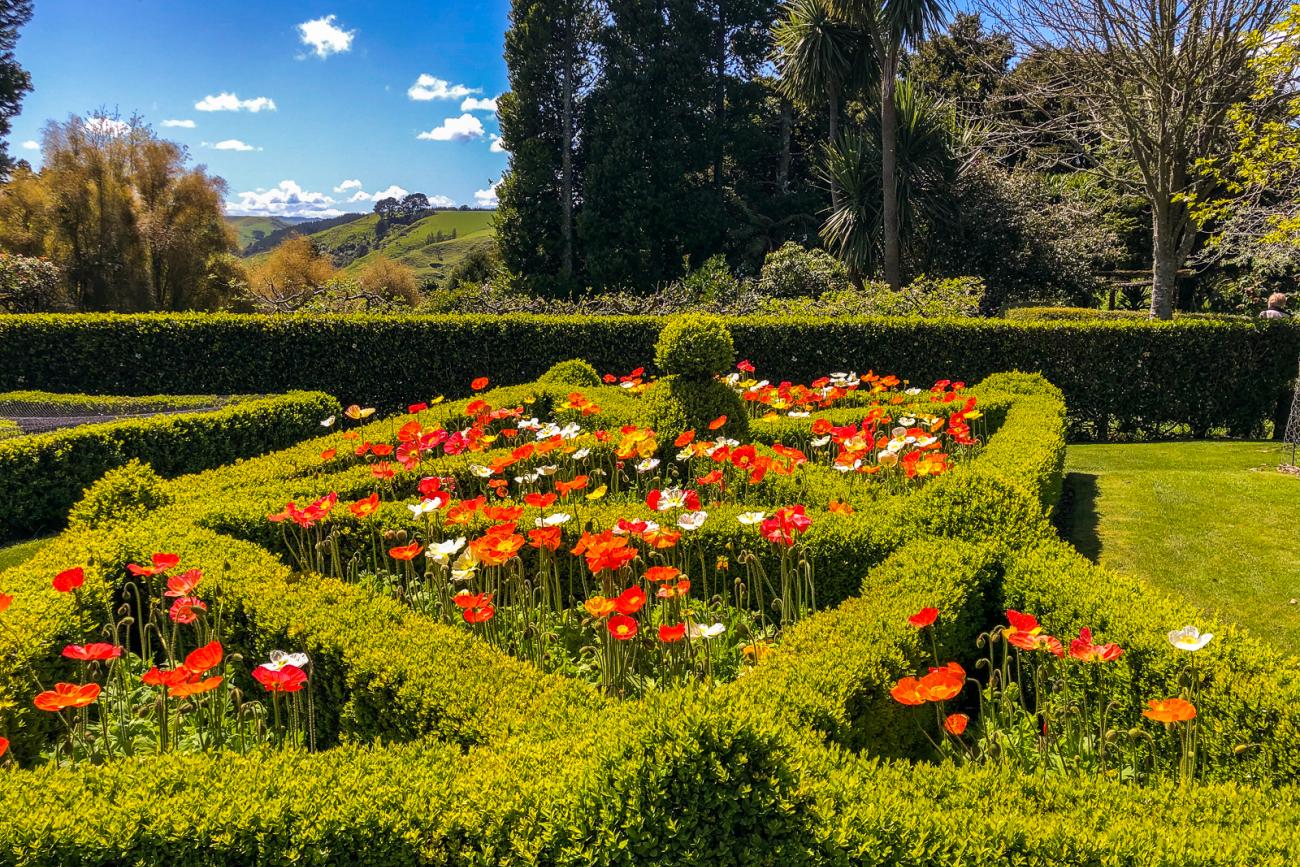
889,176
1164,262
783,168
833,134
566,162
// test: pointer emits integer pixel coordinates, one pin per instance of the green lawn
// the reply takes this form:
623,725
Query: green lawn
15,555
1213,522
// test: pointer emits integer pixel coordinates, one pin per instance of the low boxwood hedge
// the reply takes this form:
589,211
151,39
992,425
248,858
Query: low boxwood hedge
451,753
44,475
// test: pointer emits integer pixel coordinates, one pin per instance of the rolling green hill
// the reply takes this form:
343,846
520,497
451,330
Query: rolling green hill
430,245
250,229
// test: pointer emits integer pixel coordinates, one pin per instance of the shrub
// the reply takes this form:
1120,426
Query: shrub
676,404
695,347
122,494
575,371
792,271
30,285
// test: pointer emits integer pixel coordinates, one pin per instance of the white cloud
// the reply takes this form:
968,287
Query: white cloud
427,87
472,104
230,102
108,126
183,124
231,144
463,128
393,192
285,200
325,37
487,198
353,184
497,147
32,145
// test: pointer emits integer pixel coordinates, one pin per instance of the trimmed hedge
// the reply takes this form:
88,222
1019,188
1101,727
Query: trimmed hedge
44,475
1204,374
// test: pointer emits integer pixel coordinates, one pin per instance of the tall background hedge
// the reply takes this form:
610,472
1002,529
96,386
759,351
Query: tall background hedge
1116,375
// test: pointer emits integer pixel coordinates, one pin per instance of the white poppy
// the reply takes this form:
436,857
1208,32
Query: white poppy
691,520
907,422
685,454
821,441
1189,638
440,552
279,659
749,519
580,454
465,566
554,520
671,498
695,630
887,458
913,392
423,507
481,471
571,430
647,465
329,422
548,470
798,414
528,479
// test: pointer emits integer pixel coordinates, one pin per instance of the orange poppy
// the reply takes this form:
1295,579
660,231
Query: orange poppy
478,615
405,552
1170,710
662,573
540,501
328,454
196,687
942,684
717,422
578,483
67,695
5,601
908,691
69,579
684,438
956,724
599,606
161,677
839,507
97,651
669,634
205,658
479,383
365,508
544,537
183,584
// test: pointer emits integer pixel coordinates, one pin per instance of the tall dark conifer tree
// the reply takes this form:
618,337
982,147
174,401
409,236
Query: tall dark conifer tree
15,82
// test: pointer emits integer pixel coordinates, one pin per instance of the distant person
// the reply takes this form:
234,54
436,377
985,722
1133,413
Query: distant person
1276,307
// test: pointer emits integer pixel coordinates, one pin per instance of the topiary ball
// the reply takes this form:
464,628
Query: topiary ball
574,372
676,404
121,494
699,347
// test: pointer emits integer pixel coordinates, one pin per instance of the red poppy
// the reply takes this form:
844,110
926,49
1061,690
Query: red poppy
67,695
684,438
4,746
195,687
5,602
541,501
671,590
1083,649
183,584
381,450
365,508
405,552
908,691
669,634
956,724
717,422
924,617
621,627
1034,641
205,658
1018,622
417,407
162,677
185,610
96,652
630,600
745,366
69,579
1170,710
479,383
545,537
478,615
382,470
160,563
290,678
942,684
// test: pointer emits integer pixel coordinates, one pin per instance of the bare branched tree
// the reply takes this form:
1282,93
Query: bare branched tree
1142,89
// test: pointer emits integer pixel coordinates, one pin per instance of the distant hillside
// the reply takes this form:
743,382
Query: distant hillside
298,227
250,229
430,245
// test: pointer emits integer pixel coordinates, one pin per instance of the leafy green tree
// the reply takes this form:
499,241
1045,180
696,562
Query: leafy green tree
15,82
966,65
549,59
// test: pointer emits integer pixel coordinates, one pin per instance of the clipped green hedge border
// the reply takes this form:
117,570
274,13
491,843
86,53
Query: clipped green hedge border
43,475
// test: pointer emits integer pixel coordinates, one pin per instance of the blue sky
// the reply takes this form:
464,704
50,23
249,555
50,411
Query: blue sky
354,86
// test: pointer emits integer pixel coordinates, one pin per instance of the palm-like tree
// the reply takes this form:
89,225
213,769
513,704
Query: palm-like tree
822,59
890,27
928,144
